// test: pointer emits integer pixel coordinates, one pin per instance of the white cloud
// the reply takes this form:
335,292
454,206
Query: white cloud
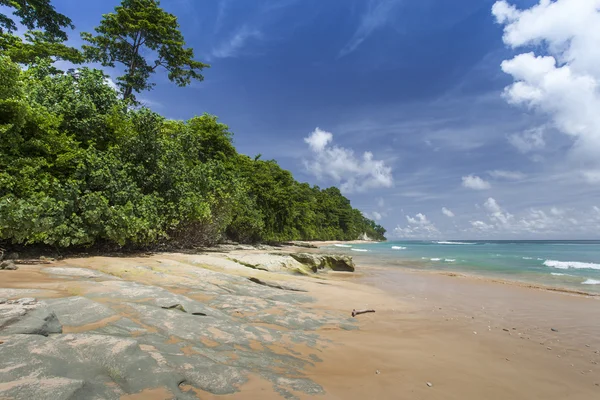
377,216
377,15
509,175
418,227
556,211
562,84
419,219
497,214
233,46
318,140
474,182
447,213
528,141
481,226
354,174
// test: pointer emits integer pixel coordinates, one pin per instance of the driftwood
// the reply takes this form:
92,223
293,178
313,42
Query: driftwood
355,313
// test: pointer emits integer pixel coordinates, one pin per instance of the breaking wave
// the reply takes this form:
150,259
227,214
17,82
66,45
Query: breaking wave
591,282
570,264
444,242
362,250
342,245
398,248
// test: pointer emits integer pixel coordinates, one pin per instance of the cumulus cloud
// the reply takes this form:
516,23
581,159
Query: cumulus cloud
318,140
534,221
528,141
564,82
447,212
497,214
474,182
353,173
509,175
418,226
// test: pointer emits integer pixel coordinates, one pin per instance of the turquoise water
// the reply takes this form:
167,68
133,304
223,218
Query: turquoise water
561,264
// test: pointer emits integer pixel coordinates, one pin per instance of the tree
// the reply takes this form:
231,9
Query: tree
37,45
134,26
36,14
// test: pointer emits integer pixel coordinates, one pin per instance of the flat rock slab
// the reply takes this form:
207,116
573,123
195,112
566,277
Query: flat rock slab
126,291
27,316
80,366
78,311
77,272
14,293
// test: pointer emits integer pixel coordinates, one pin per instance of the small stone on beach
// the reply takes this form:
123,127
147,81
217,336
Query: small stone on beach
429,384
377,372
554,330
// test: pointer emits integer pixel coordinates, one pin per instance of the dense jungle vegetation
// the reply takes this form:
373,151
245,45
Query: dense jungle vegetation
82,164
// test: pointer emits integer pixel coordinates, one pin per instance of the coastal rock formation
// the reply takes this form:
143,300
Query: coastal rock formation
8,265
274,262
325,261
303,263
177,331
28,316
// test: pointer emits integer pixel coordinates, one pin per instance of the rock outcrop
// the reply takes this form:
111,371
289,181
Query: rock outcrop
325,261
28,316
8,265
303,263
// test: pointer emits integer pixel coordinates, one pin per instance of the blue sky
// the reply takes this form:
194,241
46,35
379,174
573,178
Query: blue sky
458,144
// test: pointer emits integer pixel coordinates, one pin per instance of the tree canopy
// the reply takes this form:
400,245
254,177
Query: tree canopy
137,25
36,14
80,167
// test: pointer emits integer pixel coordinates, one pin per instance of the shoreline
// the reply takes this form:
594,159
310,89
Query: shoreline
461,274
508,341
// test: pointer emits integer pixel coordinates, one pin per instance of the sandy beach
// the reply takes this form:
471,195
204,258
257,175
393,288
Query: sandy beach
433,336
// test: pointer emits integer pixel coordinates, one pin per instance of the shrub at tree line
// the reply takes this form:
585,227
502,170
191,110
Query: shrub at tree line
82,165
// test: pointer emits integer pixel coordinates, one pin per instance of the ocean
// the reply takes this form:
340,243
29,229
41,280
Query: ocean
571,264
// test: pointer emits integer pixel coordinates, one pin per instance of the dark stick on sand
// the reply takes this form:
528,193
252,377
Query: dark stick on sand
355,313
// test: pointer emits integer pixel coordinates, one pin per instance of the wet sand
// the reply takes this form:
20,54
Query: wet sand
469,338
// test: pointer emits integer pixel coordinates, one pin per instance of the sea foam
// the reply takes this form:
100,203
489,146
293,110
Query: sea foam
449,259
453,243
570,264
342,245
435,259
398,248
362,250
591,282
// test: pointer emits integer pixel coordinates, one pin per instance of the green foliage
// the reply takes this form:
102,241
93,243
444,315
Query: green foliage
137,27
36,14
80,167
37,45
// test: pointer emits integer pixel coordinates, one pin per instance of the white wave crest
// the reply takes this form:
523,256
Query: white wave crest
444,242
570,264
527,258
591,282
362,250
558,274
435,259
342,245
449,259
398,248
